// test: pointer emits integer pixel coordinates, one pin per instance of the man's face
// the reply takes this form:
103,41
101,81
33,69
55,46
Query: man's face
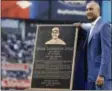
55,34
92,11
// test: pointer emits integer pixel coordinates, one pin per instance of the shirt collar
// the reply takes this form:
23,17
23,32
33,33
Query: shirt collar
94,22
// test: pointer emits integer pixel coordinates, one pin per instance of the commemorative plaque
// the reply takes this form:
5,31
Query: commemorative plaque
54,57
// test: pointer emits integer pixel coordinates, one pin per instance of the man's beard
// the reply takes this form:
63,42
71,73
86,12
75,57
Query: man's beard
92,20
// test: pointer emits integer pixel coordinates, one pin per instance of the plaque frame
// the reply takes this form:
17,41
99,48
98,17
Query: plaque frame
73,59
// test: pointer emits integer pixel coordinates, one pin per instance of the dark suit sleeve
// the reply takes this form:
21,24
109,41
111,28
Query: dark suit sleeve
105,35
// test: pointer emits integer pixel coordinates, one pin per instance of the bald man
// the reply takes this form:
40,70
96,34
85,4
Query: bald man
99,75
55,40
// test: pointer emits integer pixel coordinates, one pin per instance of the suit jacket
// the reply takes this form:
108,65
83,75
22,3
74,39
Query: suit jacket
99,51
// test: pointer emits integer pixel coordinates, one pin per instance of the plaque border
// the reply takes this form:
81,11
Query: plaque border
73,59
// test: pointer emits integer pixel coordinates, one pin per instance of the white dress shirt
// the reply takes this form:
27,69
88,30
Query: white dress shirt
89,26
93,25
86,26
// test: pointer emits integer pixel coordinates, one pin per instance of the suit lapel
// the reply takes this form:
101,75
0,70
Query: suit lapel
94,30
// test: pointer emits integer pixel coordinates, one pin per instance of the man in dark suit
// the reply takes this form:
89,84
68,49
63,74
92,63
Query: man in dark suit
99,75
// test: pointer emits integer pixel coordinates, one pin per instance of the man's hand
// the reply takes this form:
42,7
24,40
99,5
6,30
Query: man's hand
78,25
100,81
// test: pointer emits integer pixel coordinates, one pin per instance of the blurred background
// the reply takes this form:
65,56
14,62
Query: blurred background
19,19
